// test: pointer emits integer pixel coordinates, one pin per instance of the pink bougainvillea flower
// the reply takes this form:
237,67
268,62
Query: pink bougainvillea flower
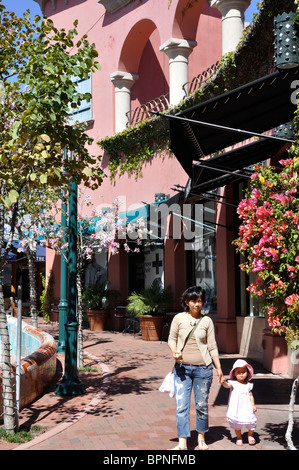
269,242
291,299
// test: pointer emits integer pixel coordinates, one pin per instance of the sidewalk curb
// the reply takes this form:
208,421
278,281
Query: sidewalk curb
94,402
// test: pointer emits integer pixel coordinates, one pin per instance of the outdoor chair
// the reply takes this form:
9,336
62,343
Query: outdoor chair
131,324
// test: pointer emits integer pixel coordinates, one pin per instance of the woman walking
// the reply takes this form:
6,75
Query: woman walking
193,345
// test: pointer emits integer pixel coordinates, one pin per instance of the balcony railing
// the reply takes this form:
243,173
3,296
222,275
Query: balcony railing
200,79
161,103
144,111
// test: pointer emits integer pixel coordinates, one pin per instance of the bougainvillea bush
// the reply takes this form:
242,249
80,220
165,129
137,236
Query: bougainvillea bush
269,241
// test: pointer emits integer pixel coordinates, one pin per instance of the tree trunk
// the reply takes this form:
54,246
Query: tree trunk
80,316
12,229
7,388
32,287
288,434
31,256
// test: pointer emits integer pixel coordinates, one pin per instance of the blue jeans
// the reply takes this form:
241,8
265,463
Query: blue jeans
200,378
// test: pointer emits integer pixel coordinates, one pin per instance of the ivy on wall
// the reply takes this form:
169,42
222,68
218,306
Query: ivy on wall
131,148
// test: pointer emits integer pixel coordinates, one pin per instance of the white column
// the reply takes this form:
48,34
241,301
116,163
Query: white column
123,82
233,18
178,51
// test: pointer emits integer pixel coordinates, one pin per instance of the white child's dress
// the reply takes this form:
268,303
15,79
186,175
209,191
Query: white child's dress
239,411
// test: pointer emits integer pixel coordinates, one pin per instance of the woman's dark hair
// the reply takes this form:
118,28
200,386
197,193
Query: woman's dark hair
192,293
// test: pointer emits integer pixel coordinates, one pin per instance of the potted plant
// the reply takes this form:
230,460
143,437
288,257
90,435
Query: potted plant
149,306
95,299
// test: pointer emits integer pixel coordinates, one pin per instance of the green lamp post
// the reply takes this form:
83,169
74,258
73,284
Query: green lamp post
63,303
70,384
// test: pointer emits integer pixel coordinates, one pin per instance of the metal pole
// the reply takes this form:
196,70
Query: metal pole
18,358
70,384
63,304
223,128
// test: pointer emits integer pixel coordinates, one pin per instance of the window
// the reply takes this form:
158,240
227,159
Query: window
84,112
202,258
246,305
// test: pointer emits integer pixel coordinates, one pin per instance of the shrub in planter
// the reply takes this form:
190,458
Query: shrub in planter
95,299
149,307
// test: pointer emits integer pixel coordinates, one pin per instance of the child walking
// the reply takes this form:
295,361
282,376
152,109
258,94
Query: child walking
241,408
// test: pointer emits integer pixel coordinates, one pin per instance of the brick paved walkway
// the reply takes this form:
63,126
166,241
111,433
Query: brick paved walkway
123,410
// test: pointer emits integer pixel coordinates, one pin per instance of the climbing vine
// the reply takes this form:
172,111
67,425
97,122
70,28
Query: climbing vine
130,149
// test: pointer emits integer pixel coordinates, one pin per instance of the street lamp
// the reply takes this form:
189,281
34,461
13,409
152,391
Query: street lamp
70,384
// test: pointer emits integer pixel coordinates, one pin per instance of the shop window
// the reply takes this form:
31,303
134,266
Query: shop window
96,269
204,254
246,305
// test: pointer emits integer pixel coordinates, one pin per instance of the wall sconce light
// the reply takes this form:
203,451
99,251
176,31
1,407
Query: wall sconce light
286,43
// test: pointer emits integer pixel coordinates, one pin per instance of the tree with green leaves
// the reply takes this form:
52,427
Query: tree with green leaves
39,66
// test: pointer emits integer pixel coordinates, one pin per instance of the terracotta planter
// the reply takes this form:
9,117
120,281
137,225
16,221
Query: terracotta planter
151,327
97,319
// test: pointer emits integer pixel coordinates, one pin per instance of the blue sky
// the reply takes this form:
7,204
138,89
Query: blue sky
19,6
251,9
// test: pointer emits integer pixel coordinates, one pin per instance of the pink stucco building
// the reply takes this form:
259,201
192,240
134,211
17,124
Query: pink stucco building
138,45
149,49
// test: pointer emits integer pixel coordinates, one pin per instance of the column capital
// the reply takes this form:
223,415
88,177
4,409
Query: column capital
233,17
173,47
225,5
123,79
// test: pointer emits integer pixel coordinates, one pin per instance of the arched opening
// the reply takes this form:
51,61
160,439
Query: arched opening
140,55
187,18
195,20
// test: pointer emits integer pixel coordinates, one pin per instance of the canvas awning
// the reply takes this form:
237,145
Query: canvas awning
230,118
10,256
129,216
40,252
232,165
